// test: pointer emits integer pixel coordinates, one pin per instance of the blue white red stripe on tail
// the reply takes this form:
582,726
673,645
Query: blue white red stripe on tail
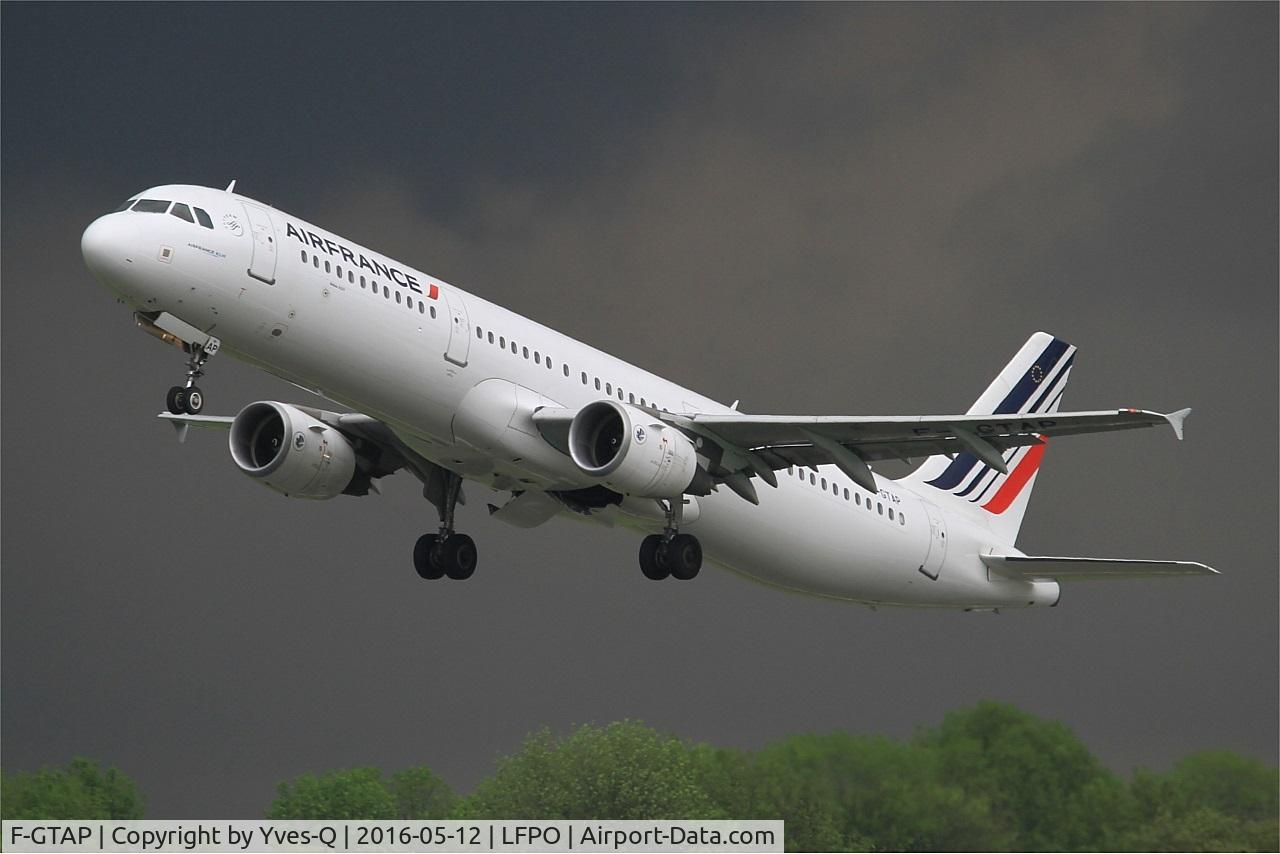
1034,385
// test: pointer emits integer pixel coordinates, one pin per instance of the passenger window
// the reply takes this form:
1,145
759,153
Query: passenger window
151,206
351,277
397,297
631,398
813,479
890,514
125,206
548,363
433,312
203,218
315,261
584,377
857,498
327,267
502,342
408,301
479,333
422,309
490,337
566,370
525,351
338,270
902,520
537,357
514,348
835,490
386,292
846,495
879,508
619,394
304,256
181,211
597,383
608,388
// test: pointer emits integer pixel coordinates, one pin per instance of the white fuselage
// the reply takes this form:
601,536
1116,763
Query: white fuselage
444,369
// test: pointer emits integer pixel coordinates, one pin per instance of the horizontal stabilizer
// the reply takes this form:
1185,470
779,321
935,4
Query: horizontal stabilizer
1032,568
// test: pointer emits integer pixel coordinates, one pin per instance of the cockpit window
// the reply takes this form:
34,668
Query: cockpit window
125,206
151,206
181,211
203,218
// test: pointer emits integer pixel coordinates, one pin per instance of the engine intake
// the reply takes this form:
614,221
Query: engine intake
631,451
287,450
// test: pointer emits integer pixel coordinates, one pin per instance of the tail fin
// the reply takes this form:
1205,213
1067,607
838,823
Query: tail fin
1033,381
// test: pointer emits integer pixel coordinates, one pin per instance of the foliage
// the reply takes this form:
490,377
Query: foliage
82,790
421,794
621,771
989,777
358,793
1043,785
1210,801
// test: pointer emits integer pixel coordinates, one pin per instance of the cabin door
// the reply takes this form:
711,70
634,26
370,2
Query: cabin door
459,329
263,265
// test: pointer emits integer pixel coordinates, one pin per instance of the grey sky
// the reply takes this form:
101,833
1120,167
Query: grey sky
820,209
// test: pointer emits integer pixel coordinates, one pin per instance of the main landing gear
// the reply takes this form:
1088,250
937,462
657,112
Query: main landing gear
671,553
188,399
446,553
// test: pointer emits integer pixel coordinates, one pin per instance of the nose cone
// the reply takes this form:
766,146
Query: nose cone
101,246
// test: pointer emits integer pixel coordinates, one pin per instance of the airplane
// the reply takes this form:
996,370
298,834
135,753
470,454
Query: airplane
451,388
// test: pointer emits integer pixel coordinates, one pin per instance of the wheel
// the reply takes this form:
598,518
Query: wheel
195,401
459,556
423,552
176,400
653,569
684,556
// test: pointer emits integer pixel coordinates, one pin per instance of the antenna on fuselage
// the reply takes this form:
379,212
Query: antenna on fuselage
232,186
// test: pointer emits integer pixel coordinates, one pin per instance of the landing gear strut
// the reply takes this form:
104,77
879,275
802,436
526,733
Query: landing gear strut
447,552
671,553
188,399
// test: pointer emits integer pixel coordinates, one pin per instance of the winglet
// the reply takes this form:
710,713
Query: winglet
1175,420
231,188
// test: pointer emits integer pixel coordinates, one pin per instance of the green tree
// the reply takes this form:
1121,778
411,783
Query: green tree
1210,801
846,792
82,790
419,793
621,771
358,793
1041,782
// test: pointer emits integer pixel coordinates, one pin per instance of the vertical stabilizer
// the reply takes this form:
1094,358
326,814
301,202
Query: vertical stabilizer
1032,382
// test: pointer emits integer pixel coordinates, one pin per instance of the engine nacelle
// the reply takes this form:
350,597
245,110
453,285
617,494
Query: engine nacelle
632,452
286,449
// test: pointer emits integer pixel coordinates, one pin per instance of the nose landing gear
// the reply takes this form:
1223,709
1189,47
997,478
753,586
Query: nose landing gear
446,553
671,553
188,399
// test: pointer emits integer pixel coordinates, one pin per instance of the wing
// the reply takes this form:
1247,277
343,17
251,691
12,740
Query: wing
1089,568
766,443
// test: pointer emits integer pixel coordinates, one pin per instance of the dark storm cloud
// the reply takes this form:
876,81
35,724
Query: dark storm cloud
815,209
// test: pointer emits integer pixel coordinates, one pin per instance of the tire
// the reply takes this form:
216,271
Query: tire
460,557
176,400
194,403
423,564
649,558
684,556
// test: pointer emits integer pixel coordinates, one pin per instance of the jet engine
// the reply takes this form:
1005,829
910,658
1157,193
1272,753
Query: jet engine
632,452
287,450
